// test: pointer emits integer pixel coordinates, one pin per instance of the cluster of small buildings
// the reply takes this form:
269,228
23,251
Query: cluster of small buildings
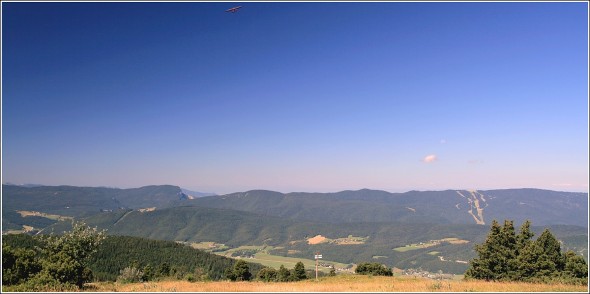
427,274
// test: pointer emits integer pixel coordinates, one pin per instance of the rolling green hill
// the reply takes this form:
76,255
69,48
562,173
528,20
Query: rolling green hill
542,207
78,201
291,238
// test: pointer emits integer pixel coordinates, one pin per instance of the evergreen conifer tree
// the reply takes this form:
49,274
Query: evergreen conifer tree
299,271
487,265
508,242
527,261
267,274
524,236
283,275
241,271
506,256
574,266
550,260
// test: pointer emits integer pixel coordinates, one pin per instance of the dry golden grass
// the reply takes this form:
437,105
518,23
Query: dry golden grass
341,283
25,213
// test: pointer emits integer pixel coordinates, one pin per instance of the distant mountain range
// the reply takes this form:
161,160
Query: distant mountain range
194,194
23,185
355,226
84,201
542,207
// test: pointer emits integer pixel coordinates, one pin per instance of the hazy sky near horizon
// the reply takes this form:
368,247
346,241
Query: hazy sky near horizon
291,97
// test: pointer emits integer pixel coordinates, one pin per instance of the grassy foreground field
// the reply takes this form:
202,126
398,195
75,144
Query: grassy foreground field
343,283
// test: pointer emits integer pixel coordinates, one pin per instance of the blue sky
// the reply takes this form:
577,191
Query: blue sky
296,96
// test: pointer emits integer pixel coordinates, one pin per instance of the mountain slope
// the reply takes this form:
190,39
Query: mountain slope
20,203
195,194
542,207
344,242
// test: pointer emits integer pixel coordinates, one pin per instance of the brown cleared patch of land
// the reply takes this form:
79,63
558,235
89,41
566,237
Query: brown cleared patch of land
316,240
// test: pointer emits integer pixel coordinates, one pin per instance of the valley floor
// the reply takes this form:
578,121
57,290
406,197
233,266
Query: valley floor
343,283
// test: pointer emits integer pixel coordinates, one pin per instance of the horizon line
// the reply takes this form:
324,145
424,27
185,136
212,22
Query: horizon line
31,185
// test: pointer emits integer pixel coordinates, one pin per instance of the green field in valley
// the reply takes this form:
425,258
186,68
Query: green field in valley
275,261
289,262
430,243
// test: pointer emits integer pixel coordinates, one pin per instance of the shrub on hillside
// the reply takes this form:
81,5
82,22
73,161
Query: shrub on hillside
58,263
373,268
267,274
130,275
240,271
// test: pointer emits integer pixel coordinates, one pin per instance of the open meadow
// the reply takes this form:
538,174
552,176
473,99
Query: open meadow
261,255
340,283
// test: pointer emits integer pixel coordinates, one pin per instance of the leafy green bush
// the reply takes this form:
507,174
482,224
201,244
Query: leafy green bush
130,275
240,271
57,263
18,264
373,268
267,274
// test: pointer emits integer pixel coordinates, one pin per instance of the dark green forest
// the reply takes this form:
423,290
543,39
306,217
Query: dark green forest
155,258
118,252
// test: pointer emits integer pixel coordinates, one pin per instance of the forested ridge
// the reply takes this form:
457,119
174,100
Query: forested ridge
118,252
543,207
156,258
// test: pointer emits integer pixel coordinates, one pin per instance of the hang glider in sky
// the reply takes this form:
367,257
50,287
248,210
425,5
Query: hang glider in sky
233,9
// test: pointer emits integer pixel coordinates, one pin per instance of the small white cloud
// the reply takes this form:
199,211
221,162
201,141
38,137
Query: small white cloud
429,158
